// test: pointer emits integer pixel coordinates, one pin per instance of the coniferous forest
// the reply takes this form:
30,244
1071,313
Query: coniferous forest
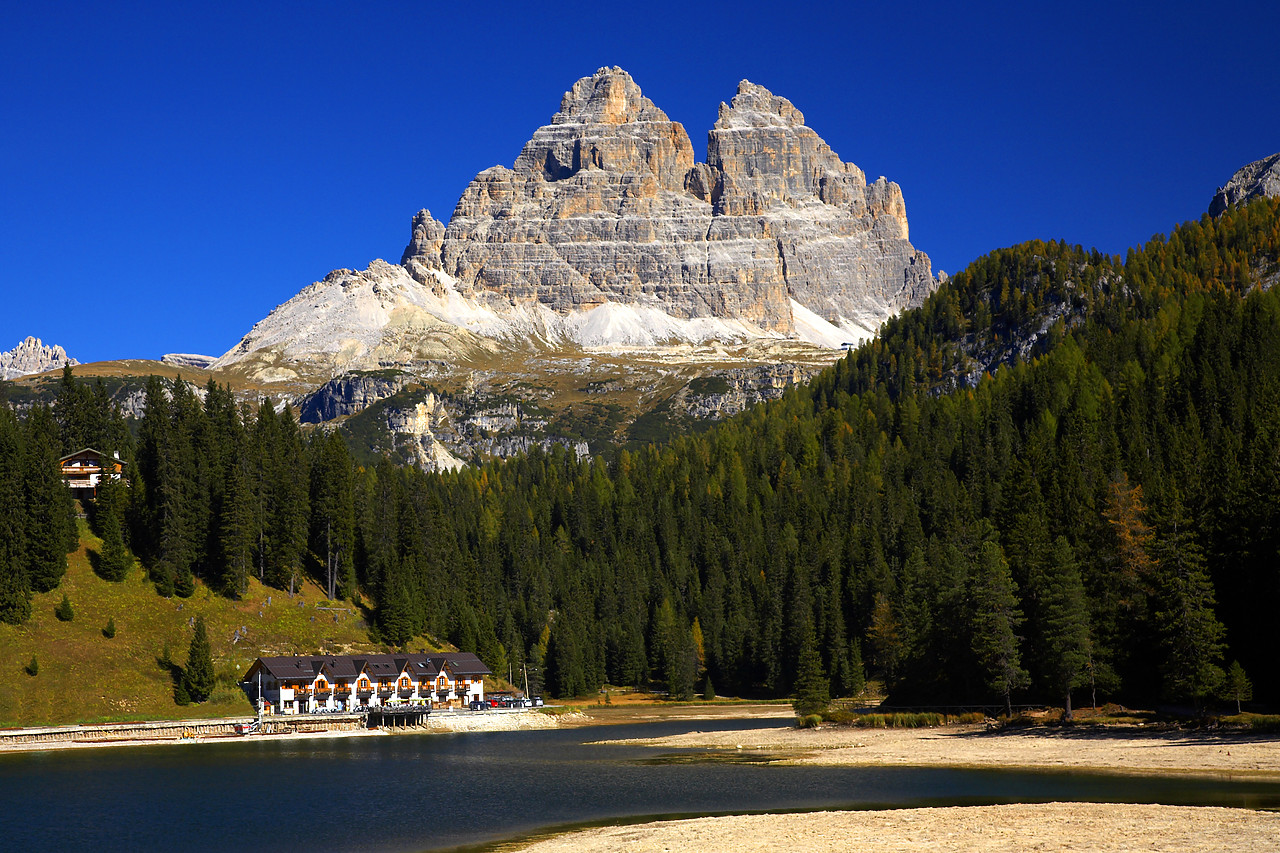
1058,477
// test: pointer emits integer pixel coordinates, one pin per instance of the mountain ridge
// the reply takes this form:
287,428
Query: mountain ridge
606,233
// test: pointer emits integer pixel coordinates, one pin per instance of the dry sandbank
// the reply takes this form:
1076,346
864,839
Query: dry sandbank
1128,750
1040,827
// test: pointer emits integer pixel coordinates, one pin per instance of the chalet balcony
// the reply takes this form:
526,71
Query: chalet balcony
323,695
385,692
364,693
405,692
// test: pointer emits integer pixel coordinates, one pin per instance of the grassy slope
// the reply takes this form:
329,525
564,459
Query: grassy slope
85,677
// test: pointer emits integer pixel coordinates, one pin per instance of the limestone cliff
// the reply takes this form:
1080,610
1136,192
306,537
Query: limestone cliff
32,356
605,233
1259,178
606,205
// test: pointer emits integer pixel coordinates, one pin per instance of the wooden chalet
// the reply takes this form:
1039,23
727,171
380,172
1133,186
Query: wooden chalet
351,683
83,470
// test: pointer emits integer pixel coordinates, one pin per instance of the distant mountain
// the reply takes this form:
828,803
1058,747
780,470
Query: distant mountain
1259,178
32,356
606,233
186,359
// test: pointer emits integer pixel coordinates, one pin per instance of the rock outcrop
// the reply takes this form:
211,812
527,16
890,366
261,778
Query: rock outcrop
1259,178
188,359
605,233
32,356
347,395
606,205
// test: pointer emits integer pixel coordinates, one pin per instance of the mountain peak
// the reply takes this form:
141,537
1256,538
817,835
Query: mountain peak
756,106
1259,178
32,356
609,96
605,122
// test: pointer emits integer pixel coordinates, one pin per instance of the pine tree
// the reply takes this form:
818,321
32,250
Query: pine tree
236,529
50,515
813,690
64,611
114,559
197,677
15,583
110,631
1191,634
996,618
333,515
287,491
1064,620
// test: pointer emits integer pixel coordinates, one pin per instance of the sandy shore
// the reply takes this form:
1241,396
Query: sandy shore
1129,750
1043,827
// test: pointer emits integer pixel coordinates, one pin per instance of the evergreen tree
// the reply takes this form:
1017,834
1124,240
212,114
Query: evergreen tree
15,583
110,631
287,499
184,583
108,521
64,611
1064,622
1191,635
197,678
996,618
50,508
813,690
113,559
236,528
333,515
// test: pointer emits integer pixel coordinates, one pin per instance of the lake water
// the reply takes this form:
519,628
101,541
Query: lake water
433,792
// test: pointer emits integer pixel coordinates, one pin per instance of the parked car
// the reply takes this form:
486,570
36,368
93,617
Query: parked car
537,701
479,705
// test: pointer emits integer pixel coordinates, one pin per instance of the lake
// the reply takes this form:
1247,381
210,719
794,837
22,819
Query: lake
438,791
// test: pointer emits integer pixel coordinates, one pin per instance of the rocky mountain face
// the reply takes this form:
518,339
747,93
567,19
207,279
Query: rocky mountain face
605,232
605,288
32,356
1259,178
440,429
606,205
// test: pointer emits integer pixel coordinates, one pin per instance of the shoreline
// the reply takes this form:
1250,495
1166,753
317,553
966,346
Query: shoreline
1118,750
1057,826
441,723
1123,751
1041,826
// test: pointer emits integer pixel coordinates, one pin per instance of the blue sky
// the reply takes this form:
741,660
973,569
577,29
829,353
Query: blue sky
171,172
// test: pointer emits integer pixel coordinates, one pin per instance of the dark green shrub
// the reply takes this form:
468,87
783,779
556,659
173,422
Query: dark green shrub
840,716
63,611
810,721
110,630
33,668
